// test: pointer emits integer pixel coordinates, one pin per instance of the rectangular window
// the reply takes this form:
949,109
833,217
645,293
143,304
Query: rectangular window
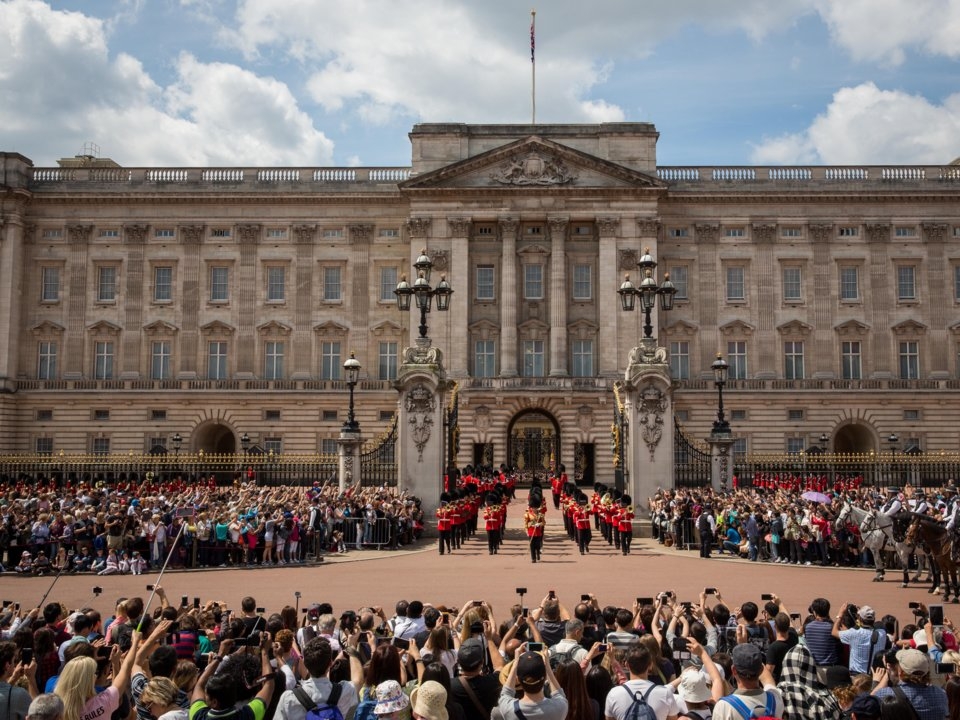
738,414
51,233
678,276
909,360
680,360
789,232
534,230
329,415
739,449
387,366
333,233
47,361
160,441
582,230
101,414
792,284
386,415
389,232
164,233
583,358
50,284
485,285
103,361
109,233
911,414
533,358
160,360
795,445
276,284
484,358
273,361
220,232
734,233
273,445
158,415
271,415
793,360
106,283
487,230
330,360
276,233
388,283
163,284
533,282
100,446
44,415
849,283
331,284
906,282
735,286
849,231
905,232
44,446
219,284
328,446
679,232
850,360
217,360
582,282
737,359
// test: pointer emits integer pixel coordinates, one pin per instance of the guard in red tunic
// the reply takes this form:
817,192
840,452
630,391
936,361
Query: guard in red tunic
533,521
625,524
581,519
491,520
444,524
556,489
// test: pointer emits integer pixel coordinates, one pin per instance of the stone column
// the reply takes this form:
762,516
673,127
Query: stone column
348,451
248,349
508,297
721,465
78,238
304,237
359,309
649,409
880,310
461,280
937,282
422,383
609,278
134,237
559,291
11,290
191,366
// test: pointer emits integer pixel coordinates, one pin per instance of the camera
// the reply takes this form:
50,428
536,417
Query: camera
150,588
261,611
252,640
602,647
97,590
521,591
585,598
766,596
535,647
942,668
732,634
552,594
709,591
644,601
936,614
680,643
26,656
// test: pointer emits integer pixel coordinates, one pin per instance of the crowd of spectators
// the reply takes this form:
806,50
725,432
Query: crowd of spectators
660,657
129,528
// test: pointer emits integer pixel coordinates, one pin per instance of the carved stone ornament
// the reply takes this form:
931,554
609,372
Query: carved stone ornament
420,405
648,353
608,225
878,232
508,226
360,232
534,168
191,234
653,406
764,232
249,234
558,226
628,260
481,417
423,354
459,226
304,234
77,234
821,233
418,226
135,234
935,232
440,259
707,233
648,228
585,417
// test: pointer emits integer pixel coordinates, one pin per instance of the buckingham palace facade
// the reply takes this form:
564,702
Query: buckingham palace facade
211,303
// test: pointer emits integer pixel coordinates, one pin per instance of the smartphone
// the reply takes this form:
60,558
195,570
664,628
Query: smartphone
150,588
445,619
645,601
942,668
913,605
16,606
478,603
26,656
261,611
7,603
535,647
401,643
183,601
584,598
525,612
603,648
794,616
709,591
552,594
680,643
97,590
304,610
196,603
521,591
936,615
766,596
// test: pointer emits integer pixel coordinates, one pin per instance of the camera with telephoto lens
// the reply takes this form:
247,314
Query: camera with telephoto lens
252,640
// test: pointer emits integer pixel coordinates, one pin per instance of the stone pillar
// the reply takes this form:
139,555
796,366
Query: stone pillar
134,238
11,291
721,466
304,237
461,280
608,280
249,363
558,296
191,350
78,239
422,383
508,297
361,236
348,451
649,409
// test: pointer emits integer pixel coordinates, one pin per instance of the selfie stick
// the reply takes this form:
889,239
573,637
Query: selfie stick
40,604
153,593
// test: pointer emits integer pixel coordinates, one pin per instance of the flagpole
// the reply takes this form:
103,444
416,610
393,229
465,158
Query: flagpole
533,66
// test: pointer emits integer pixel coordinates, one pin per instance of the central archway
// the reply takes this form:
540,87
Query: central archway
854,438
533,445
214,438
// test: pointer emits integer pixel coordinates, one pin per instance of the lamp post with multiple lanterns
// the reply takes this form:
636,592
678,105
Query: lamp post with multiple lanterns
648,292
423,292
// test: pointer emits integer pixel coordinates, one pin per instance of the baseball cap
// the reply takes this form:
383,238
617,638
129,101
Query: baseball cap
314,611
531,669
866,613
747,660
913,662
470,655
866,707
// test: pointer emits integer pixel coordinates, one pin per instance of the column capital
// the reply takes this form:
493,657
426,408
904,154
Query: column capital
135,234
304,234
558,224
608,225
648,227
249,233
77,234
508,226
764,232
459,226
191,234
419,227
934,232
707,232
878,232
360,232
821,232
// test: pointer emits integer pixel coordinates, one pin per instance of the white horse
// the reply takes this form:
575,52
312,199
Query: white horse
876,531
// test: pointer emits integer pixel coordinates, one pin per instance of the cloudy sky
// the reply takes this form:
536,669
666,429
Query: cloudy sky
341,82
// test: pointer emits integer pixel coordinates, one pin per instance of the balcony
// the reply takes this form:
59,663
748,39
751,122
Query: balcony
197,385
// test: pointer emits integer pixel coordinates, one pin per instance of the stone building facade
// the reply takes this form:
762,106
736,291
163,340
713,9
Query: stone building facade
215,302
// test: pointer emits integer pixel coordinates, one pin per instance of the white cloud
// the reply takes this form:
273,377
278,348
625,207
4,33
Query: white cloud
61,88
883,30
867,125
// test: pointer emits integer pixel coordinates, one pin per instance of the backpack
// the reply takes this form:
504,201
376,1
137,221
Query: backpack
368,701
639,709
328,711
756,714
561,657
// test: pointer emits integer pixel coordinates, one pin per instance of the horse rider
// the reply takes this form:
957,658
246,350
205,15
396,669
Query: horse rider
893,504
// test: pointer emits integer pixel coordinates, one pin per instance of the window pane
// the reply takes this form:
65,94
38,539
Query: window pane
330,361
850,360
582,286
485,359
533,358
680,360
791,283
388,283
737,360
51,284
793,360
795,445
735,289
583,358
219,284
273,361
160,360
906,288
217,361
388,361
47,361
163,284
678,276
485,285
107,284
533,282
849,284
331,284
103,361
276,279
909,360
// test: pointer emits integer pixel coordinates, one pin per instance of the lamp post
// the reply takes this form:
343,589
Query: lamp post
720,371
824,448
245,444
352,369
423,292
894,440
648,291
177,442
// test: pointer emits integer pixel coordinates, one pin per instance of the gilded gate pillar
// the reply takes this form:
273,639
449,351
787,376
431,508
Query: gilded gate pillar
422,384
348,452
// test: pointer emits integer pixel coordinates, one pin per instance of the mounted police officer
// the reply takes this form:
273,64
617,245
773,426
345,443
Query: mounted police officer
892,505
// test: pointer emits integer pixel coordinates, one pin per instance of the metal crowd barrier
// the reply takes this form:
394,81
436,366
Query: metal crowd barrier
359,533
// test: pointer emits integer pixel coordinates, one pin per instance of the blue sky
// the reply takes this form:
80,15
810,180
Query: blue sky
341,82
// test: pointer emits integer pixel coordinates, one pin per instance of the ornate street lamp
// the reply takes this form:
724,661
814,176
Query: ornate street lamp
648,292
177,442
422,292
245,443
894,440
720,371
352,370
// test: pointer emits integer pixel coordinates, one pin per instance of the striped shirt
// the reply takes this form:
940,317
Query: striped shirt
818,635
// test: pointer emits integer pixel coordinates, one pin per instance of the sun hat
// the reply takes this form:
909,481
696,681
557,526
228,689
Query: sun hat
693,686
429,701
390,698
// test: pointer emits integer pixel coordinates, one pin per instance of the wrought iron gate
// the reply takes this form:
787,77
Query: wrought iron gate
691,464
534,454
378,465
